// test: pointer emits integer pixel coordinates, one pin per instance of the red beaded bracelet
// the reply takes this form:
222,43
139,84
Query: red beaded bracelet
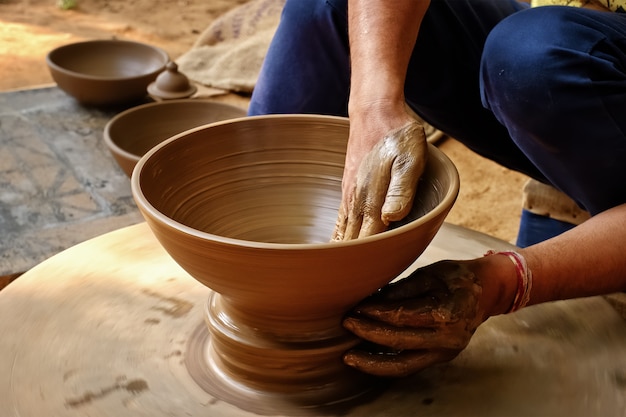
524,279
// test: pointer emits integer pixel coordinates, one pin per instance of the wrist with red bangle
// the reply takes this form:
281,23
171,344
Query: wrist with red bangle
524,279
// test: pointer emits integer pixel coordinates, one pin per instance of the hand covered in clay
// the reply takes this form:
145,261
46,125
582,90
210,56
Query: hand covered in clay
379,187
426,318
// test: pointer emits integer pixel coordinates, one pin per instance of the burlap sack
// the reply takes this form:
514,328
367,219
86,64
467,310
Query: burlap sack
229,53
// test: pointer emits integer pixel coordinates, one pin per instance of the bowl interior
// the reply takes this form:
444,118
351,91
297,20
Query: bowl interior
108,59
272,180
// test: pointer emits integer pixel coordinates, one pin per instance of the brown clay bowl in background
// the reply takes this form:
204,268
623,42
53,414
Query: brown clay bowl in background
132,133
248,206
106,72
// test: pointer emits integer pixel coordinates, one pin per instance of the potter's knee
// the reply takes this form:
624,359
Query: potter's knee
520,45
520,62
529,41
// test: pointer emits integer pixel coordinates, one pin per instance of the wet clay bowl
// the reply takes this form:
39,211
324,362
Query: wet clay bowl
106,72
247,208
133,132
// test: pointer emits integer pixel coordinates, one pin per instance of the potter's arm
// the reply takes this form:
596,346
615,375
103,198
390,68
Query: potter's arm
430,316
587,260
382,37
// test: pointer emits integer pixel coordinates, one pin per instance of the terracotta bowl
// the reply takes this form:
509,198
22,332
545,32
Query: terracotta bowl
132,133
106,72
247,207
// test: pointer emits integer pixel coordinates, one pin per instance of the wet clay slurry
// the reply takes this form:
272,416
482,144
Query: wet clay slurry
247,207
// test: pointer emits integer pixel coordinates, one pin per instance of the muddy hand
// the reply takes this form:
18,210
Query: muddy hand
426,318
385,184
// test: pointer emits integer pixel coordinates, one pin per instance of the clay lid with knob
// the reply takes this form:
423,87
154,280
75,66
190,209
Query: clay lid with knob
171,84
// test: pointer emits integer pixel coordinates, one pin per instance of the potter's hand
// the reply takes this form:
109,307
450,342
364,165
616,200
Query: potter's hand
379,186
426,318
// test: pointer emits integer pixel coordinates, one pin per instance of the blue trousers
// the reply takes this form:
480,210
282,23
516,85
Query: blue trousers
539,90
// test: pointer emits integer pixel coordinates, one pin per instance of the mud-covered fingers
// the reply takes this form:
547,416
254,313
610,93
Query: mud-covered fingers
372,188
398,201
399,364
408,164
417,312
405,175
340,225
434,309
350,217
410,301
400,338
372,183
349,221
364,217
353,224
372,224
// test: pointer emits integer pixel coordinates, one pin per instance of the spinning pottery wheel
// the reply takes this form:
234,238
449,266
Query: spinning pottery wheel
104,329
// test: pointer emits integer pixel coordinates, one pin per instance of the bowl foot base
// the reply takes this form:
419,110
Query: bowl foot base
334,392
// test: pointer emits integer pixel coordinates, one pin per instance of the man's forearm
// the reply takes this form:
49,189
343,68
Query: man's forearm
382,37
587,260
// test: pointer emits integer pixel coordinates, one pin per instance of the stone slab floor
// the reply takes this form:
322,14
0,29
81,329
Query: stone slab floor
59,185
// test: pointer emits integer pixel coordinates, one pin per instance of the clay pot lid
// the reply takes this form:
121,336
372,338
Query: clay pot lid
171,84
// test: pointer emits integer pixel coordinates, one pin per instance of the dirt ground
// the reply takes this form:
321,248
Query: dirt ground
490,196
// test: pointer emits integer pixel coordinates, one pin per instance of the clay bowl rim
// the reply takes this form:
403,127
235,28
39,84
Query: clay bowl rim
445,204
86,76
108,140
